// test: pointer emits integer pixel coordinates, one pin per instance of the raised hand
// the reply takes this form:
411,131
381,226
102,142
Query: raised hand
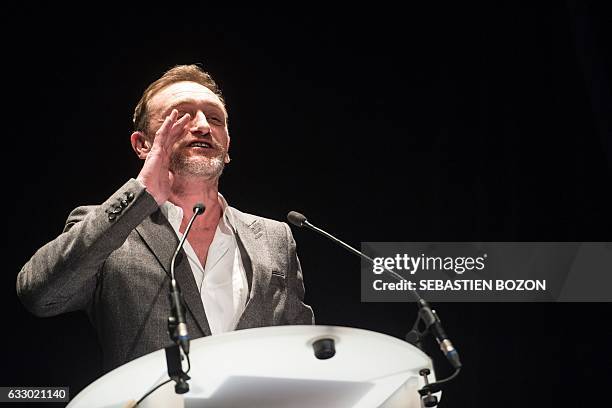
155,173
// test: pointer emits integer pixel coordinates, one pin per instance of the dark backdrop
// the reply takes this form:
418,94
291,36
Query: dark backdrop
436,123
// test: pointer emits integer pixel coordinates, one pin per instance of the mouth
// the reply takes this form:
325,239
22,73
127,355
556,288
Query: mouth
200,145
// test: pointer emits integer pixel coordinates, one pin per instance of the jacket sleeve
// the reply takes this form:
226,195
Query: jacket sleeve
61,276
296,311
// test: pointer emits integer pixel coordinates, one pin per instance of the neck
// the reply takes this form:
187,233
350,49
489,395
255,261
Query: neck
188,191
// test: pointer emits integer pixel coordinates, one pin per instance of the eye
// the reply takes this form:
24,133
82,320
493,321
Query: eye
215,118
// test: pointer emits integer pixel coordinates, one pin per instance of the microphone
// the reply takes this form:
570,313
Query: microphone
296,219
299,220
434,323
180,334
429,316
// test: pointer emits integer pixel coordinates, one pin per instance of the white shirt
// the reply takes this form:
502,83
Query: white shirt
222,281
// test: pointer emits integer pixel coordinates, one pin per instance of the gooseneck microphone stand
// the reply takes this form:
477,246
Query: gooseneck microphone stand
426,318
177,326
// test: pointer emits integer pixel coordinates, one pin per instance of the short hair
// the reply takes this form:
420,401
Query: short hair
179,73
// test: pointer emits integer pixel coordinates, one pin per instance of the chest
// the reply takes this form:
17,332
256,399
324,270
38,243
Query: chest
200,242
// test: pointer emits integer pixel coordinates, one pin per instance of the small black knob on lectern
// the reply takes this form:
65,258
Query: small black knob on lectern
324,349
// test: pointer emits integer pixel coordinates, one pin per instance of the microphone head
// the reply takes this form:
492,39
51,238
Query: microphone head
296,218
199,208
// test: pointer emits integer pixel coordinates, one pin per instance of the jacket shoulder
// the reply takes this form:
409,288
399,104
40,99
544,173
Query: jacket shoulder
271,226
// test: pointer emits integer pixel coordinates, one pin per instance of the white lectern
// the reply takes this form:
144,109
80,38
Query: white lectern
274,367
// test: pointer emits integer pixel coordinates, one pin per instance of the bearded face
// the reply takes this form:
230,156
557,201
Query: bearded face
199,159
202,151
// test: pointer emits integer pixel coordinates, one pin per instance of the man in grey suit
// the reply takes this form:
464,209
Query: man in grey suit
235,271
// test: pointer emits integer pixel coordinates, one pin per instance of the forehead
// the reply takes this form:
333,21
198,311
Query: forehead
179,92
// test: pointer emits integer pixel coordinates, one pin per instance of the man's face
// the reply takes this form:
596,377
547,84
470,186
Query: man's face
202,150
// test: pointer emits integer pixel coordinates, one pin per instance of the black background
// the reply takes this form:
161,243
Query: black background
436,123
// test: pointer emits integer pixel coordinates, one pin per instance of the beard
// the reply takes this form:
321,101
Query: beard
198,166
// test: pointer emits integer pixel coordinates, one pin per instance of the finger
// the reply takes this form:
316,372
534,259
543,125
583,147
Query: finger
164,137
179,124
167,125
178,128
174,114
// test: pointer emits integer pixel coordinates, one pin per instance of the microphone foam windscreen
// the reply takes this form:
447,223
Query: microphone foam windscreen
296,218
199,207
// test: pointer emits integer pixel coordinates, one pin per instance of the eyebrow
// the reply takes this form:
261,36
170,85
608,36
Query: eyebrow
191,101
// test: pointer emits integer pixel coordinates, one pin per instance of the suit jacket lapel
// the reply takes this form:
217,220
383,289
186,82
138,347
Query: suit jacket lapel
162,240
251,237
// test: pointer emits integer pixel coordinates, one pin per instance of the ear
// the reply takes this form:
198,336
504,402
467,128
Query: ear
140,144
227,157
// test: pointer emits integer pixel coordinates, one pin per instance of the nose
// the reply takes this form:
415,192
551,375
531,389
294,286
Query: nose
199,124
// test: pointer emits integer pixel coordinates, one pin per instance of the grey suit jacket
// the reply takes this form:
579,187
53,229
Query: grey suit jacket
113,261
